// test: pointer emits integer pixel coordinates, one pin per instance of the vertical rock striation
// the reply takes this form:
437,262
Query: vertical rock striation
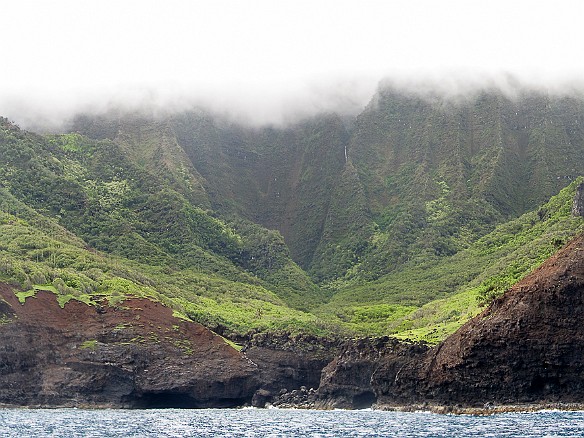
578,208
346,381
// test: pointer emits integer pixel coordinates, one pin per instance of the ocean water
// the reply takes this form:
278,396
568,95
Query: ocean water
281,423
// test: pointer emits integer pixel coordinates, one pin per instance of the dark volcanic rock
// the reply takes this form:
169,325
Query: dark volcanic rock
526,347
297,398
133,355
287,363
346,381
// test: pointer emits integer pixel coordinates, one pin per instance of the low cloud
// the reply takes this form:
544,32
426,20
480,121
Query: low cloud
274,62
273,104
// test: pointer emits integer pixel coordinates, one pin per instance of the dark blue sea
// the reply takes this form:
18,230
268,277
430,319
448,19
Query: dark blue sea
281,423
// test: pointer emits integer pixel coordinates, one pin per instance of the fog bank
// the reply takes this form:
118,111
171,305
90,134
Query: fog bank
274,62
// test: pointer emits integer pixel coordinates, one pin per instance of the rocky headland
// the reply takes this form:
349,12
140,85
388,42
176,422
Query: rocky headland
527,347
134,355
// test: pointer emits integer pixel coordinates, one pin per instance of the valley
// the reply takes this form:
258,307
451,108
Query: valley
293,246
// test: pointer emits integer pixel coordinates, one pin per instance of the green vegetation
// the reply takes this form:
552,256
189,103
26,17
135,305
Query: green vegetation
22,296
89,344
233,344
407,223
184,345
5,319
444,293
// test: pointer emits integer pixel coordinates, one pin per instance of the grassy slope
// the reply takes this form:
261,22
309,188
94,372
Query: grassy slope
145,230
430,298
36,253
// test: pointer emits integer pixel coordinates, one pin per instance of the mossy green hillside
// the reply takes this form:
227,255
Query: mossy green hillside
428,298
33,260
93,189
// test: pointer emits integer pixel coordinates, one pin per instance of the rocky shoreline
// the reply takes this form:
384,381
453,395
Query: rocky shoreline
524,352
487,408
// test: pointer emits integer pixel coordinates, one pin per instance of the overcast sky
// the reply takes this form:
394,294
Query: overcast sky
265,58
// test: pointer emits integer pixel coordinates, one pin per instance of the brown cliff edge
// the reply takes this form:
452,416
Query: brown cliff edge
133,355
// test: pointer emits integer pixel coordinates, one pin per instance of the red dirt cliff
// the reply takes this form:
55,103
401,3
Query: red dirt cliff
133,355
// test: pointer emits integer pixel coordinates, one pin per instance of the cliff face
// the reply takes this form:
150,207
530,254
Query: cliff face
578,208
526,347
133,355
346,380
287,363
137,355
418,169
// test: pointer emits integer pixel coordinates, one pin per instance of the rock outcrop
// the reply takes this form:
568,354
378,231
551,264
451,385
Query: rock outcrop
286,364
133,355
137,355
578,207
346,381
527,347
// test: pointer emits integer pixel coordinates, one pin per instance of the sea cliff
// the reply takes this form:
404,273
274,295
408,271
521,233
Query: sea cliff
525,349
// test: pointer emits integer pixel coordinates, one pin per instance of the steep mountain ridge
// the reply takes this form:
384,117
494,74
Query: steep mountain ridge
134,235
439,174
427,173
280,178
